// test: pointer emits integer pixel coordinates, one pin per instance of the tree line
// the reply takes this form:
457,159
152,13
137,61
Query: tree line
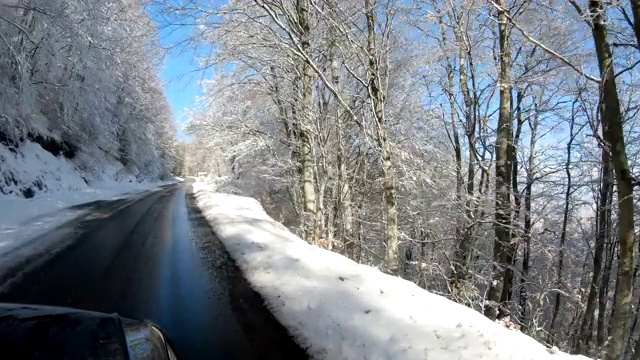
484,149
80,79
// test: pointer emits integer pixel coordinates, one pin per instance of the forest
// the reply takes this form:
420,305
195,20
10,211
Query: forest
80,79
483,149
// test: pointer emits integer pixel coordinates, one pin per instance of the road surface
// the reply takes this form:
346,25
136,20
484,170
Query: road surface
155,258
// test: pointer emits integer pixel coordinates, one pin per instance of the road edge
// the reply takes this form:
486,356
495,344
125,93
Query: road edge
12,269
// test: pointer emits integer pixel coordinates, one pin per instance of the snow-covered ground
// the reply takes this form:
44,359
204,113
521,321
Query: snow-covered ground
338,309
15,211
20,217
30,170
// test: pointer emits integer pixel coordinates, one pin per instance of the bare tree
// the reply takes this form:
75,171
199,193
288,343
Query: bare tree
403,129
504,138
613,134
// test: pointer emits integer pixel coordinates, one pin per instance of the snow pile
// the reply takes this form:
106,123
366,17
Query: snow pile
34,183
338,309
30,169
16,212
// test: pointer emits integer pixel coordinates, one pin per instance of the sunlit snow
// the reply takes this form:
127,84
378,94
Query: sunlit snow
338,309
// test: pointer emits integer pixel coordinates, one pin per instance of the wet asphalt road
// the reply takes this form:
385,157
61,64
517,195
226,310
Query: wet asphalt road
155,258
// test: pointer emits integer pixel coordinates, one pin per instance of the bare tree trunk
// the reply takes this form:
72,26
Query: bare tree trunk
471,120
306,147
612,316
586,328
465,231
603,291
575,333
635,8
632,331
502,226
563,238
512,248
526,255
344,195
290,126
377,97
461,255
344,187
614,137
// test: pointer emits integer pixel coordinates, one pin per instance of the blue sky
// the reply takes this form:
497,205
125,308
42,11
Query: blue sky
180,78
180,72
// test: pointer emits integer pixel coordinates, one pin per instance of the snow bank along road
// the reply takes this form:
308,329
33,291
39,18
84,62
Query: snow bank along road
338,309
154,257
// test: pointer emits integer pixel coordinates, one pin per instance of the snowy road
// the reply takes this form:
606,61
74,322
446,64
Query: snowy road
156,259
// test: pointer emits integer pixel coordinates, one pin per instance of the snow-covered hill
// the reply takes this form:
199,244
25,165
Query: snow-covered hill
29,170
338,309
74,114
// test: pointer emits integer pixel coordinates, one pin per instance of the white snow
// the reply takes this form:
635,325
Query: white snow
338,309
15,211
23,220
57,183
32,166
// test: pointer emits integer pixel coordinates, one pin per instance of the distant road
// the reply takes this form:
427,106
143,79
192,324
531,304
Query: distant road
156,259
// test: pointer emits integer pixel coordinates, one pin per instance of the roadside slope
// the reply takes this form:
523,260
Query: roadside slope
338,309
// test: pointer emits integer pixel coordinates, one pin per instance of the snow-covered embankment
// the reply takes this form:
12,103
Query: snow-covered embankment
338,309
35,183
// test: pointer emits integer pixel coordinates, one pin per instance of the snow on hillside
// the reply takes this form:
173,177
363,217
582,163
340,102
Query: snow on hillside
18,212
29,170
338,309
